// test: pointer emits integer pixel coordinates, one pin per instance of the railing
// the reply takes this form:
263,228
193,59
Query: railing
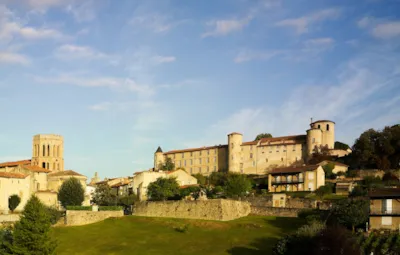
387,211
297,180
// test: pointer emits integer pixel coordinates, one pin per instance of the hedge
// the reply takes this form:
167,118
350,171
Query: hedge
110,208
79,208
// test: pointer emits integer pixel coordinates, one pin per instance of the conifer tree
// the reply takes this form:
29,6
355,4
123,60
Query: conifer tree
31,233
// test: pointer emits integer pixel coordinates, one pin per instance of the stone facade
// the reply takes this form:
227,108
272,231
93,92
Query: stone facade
254,157
217,209
78,218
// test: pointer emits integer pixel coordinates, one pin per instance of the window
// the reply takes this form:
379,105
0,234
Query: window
44,150
37,186
277,148
282,159
191,154
54,166
386,221
47,165
208,160
44,165
54,150
313,140
310,175
232,145
200,153
48,150
327,127
294,147
183,155
251,147
199,160
199,169
215,159
191,162
232,157
185,163
208,152
387,205
251,155
319,126
266,160
208,169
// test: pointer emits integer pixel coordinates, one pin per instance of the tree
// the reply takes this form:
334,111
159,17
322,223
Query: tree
328,169
237,185
167,166
127,200
390,179
71,193
341,146
201,179
31,234
218,178
262,135
13,202
351,212
103,195
319,154
335,240
163,188
324,190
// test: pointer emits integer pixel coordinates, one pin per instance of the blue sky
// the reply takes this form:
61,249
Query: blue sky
119,78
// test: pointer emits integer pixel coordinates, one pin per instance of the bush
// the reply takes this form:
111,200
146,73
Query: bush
324,190
13,202
79,208
335,240
189,190
54,214
127,200
182,229
162,189
71,192
103,195
358,191
111,208
237,185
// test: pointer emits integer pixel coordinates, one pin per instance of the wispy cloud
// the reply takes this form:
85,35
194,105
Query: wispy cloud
74,52
13,58
380,28
302,25
158,23
98,82
82,11
249,55
226,26
164,59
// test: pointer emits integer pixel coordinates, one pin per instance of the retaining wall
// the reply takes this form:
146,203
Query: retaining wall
216,209
77,218
275,211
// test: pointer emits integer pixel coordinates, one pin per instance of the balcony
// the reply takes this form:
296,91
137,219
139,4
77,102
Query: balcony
286,181
382,212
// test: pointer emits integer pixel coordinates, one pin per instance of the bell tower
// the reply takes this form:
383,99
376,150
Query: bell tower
48,152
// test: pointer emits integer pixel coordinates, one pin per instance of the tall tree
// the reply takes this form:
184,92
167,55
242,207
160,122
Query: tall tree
237,185
71,193
262,135
168,165
351,212
31,233
163,188
103,195
13,202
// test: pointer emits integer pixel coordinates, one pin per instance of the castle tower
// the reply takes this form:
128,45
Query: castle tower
48,152
314,139
158,158
234,151
323,132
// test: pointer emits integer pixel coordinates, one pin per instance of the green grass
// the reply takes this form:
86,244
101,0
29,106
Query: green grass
143,235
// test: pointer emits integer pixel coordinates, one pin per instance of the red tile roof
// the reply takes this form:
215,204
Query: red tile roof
65,173
36,169
126,182
294,169
12,175
16,163
196,149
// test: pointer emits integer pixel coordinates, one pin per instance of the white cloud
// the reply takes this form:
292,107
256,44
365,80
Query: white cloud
73,52
387,30
98,82
156,22
164,59
100,107
13,58
225,27
82,11
248,55
302,24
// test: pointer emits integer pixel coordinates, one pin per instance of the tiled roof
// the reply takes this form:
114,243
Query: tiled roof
12,175
16,163
278,139
159,149
65,173
385,192
196,149
294,169
126,182
36,169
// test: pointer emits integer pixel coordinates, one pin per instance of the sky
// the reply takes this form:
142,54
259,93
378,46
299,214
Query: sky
118,78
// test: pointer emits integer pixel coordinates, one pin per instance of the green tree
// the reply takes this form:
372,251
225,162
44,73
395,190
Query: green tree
71,193
13,202
163,188
127,200
103,195
328,169
341,146
237,185
262,135
201,179
351,212
168,165
31,234
324,190
218,178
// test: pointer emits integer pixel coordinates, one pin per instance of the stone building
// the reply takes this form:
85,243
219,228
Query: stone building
41,175
252,157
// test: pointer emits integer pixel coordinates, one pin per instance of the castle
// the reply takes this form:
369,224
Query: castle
41,175
253,157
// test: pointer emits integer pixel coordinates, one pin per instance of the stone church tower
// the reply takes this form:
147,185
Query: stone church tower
48,152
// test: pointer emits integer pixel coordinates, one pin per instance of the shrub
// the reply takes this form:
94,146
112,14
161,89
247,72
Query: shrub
237,185
324,190
79,208
201,179
71,192
341,173
103,195
127,200
31,234
13,202
182,229
358,191
162,189
189,190
110,208
54,214
335,240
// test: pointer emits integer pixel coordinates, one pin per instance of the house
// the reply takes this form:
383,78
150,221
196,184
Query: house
384,208
141,180
339,167
123,187
304,178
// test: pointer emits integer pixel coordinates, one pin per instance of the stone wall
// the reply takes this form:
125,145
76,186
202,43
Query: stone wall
301,203
77,218
216,209
274,211
9,217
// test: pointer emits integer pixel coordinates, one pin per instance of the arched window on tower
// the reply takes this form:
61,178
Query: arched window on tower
44,150
43,165
319,126
48,150
54,151
47,165
327,127
58,151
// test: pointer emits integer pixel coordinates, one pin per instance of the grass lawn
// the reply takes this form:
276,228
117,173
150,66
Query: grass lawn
143,235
